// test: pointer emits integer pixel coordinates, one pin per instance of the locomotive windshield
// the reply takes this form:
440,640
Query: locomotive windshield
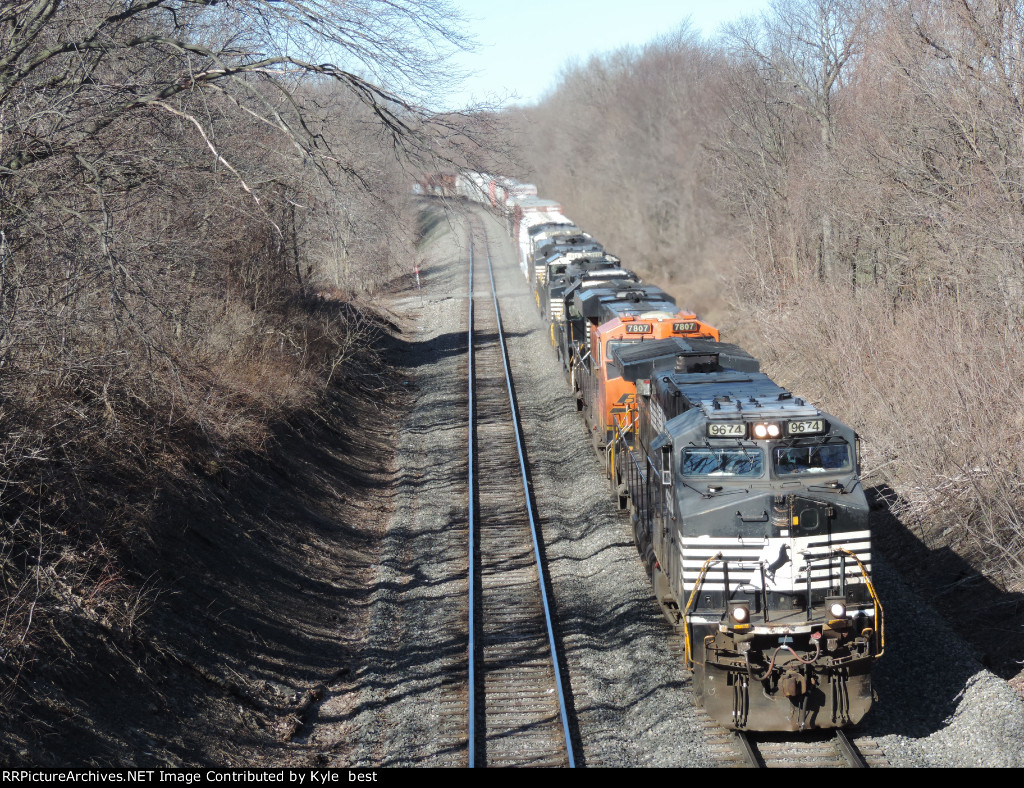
815,457
726,461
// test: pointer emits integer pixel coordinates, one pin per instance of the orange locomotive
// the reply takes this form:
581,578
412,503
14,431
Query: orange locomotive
615,317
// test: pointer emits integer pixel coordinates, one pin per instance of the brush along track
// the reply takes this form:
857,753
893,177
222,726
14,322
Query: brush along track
518,712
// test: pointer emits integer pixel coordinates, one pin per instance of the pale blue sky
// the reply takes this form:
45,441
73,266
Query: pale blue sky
523,44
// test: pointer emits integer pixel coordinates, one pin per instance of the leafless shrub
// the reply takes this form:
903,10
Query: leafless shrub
178,182
936,400
849,174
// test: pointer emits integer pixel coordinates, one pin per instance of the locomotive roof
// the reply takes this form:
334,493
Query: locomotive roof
568,240
729,394
585,282
550,223
613,300
645,309
561,230
571,274
596,264
644,359
552,253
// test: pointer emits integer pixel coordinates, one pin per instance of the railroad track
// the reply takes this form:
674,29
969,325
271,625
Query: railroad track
518,713
813,749
832,749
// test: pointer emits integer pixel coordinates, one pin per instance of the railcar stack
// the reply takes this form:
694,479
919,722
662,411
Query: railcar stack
746,503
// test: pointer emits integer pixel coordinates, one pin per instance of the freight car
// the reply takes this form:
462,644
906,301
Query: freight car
532,219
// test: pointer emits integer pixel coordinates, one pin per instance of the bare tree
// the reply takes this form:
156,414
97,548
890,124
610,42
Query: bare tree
116,57
803,49
620,143
177,178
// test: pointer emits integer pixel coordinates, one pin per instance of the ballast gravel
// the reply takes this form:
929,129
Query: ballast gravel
937,706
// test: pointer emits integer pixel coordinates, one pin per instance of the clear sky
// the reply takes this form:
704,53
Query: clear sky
523,44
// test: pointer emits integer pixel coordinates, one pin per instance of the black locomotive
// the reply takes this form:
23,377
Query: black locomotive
750,517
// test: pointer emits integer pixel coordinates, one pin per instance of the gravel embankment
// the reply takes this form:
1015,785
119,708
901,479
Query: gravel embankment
630,695
407,710
937,705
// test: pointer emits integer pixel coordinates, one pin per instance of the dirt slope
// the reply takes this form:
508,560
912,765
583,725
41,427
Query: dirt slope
253,607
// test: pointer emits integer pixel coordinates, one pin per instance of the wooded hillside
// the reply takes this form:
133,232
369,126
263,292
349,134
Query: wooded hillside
192,194
839,185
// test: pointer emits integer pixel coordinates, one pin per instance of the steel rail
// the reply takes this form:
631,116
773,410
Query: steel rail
472,530
754,757
533,522
747,750
849,751
473,568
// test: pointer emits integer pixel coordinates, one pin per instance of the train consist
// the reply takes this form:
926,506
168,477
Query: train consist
746,502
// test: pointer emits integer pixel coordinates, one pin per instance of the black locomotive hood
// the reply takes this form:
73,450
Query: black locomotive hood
758,514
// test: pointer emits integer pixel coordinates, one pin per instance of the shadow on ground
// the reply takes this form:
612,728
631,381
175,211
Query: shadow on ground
988,619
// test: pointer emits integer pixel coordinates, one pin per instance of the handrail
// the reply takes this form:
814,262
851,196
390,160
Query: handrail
879,612
654,468
577,356
688,655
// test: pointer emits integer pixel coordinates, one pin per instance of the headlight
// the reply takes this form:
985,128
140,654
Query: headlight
836,607
767,430
739,612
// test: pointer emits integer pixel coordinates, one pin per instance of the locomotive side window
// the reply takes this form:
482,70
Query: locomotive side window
812,458
614,343
710,461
